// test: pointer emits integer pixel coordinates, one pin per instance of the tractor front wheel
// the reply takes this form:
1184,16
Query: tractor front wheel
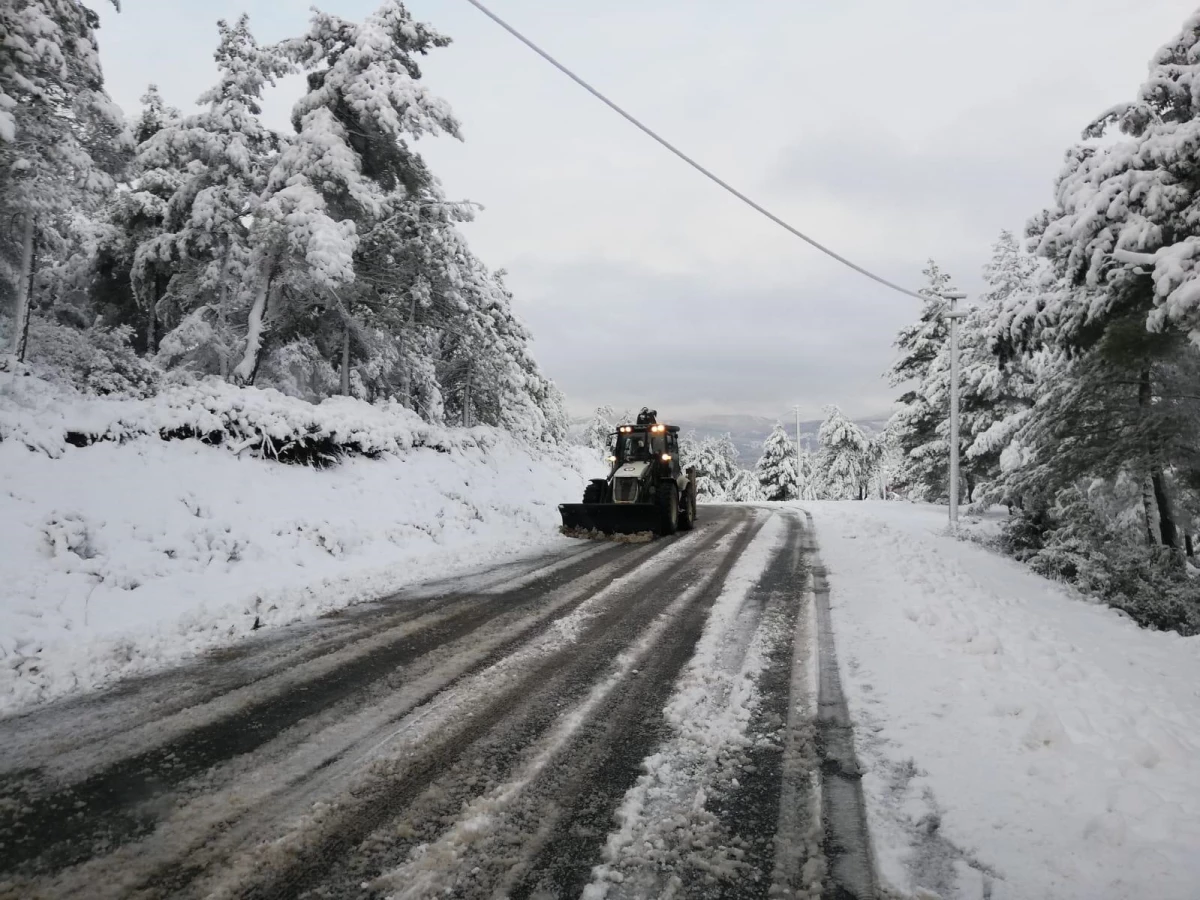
668,505
594,492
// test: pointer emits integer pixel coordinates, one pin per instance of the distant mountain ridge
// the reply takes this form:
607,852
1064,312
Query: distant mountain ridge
749,432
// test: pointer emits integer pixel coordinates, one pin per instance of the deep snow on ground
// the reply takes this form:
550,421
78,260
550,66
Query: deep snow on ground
122,557
1012,732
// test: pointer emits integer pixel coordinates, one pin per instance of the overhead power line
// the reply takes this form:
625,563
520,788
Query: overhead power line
687,159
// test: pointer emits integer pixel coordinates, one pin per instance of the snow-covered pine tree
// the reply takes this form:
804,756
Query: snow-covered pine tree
61,138
335,243
885,462
807,482
133,216
776,468
844,458
744,488
992,393
1122,298
716,460
219,159
596,434
915,423
349,170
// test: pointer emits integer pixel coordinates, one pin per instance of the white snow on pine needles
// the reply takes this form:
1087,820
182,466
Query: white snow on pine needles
662,818
1018,739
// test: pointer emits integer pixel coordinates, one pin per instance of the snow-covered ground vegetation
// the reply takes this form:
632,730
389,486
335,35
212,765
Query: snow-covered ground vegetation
139,531
1080,363
1017,740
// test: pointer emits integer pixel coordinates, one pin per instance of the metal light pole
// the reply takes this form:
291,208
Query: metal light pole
954,314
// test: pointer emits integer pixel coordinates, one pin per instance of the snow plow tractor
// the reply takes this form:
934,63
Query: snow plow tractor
646,490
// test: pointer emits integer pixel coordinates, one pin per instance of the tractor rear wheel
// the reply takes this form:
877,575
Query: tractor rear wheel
668,507
687,515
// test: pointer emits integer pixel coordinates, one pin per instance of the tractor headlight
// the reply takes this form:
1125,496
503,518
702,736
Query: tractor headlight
666,457
612,459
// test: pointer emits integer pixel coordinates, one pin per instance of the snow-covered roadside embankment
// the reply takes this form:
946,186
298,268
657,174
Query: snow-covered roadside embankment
1012,732
133,553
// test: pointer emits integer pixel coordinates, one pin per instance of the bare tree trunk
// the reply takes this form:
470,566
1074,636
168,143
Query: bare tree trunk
1148,508
1166,515
1144,397
152,316
245,370
1167,532
223,307
20,335
345,357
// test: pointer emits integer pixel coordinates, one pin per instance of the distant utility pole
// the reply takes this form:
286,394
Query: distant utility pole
954,314
797,409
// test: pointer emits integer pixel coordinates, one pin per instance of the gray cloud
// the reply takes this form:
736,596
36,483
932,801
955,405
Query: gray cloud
610,333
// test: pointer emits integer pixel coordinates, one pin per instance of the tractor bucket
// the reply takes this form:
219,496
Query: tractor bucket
611,518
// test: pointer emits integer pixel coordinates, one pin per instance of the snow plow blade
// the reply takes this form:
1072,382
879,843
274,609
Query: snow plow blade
611,518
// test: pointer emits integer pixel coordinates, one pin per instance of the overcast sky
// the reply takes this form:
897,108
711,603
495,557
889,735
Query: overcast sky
891,130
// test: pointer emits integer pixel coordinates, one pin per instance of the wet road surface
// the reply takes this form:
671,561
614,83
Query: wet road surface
497,735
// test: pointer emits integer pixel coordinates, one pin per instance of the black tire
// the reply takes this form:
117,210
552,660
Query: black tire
594,492
687,515
668,508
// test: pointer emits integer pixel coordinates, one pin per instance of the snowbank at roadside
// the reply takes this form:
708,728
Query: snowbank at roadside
134,552
1012,732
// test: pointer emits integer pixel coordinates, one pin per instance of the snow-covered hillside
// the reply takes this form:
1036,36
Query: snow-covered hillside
1019,741
136,551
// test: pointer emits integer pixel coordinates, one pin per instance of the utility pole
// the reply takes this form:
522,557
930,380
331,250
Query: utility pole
954,314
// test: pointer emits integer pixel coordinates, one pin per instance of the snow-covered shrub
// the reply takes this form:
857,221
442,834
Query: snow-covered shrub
95,360
1075,540
299,370
194,345
68,533
254,421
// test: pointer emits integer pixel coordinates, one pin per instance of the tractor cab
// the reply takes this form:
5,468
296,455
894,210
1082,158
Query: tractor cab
646,443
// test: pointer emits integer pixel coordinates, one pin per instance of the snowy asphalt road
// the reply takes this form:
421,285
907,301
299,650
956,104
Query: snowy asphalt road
613,721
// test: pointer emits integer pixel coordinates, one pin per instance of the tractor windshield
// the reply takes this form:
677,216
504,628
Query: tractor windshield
633,447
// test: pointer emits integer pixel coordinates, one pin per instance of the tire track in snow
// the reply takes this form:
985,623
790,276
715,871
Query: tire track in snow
563,763
767,813
725,807
62,826
847,842
148,710
329,854
493,762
